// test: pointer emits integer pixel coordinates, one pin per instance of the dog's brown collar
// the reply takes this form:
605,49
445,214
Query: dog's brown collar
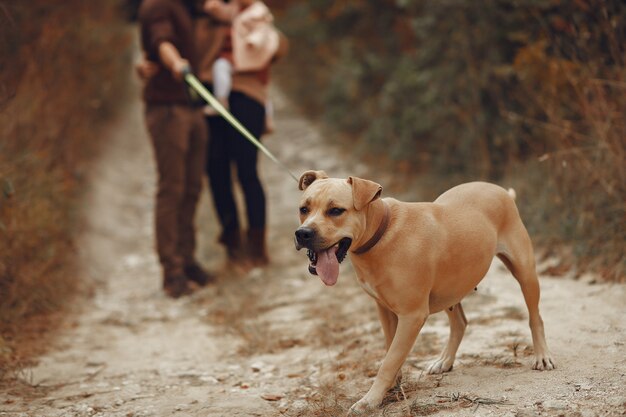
379,233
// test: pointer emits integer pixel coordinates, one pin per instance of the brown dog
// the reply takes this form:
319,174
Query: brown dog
416,259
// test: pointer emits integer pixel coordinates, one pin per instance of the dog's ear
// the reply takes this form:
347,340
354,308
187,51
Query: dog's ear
364,191
308,177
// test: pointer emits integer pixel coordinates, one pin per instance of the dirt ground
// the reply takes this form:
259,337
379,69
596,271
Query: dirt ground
276,341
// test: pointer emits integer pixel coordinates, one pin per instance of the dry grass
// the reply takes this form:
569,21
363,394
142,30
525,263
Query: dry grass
573,197
236,308
328,400
59,85
511,357
396,403
242,310
504,313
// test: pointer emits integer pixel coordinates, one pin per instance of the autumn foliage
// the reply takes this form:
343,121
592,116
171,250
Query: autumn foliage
62,69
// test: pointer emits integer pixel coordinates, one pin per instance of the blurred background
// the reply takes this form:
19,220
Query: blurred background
528,93
525,93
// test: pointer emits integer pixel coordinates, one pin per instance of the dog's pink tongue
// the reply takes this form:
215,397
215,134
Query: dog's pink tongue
327,266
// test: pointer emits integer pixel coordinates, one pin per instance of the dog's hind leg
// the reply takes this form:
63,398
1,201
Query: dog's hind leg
519,258
458,323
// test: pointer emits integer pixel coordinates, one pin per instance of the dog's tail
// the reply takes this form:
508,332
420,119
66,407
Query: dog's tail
512,193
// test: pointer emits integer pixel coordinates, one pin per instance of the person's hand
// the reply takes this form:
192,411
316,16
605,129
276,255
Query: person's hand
224,12
180,69
171,59
146,69
212,6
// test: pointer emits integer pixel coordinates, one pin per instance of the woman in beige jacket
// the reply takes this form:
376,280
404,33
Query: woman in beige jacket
228,148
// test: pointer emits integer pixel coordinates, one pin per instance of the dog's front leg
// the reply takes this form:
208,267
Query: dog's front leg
389,323
407,330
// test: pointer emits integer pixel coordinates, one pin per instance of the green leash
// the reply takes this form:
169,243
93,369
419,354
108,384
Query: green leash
205,94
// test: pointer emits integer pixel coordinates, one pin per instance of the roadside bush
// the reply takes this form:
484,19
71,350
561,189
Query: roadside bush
527,91
62,66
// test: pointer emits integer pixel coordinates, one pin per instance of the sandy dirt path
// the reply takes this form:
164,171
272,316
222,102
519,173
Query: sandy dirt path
277,342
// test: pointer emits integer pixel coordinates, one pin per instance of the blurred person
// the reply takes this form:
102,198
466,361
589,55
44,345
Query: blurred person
228,148
250,45
179,137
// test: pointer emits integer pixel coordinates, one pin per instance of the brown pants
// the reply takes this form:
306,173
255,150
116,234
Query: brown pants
179,137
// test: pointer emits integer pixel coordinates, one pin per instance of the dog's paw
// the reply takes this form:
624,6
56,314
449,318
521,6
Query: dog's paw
544,363
363,407
440,366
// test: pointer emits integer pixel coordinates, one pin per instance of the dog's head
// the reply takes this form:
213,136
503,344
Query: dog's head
332,216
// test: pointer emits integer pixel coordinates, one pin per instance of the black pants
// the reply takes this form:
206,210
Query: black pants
227,147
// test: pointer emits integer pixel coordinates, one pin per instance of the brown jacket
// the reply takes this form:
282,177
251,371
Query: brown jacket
161,21
209,39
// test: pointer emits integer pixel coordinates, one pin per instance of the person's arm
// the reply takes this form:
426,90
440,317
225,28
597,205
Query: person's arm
223,12
146,69
210,38
171,59
283,46
159,38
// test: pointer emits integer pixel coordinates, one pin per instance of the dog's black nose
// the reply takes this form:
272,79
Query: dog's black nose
304,235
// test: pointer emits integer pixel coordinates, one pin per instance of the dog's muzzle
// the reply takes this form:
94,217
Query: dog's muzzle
304,238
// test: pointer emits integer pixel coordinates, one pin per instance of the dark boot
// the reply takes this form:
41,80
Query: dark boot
233,244
257,249
198,275
176,285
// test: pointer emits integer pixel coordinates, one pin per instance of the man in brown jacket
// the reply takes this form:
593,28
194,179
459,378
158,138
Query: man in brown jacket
179,138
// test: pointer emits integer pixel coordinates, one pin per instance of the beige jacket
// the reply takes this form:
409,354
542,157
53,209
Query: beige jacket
210,36
255,40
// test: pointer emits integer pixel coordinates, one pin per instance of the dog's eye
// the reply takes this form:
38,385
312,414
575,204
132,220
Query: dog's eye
304,210
336,211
